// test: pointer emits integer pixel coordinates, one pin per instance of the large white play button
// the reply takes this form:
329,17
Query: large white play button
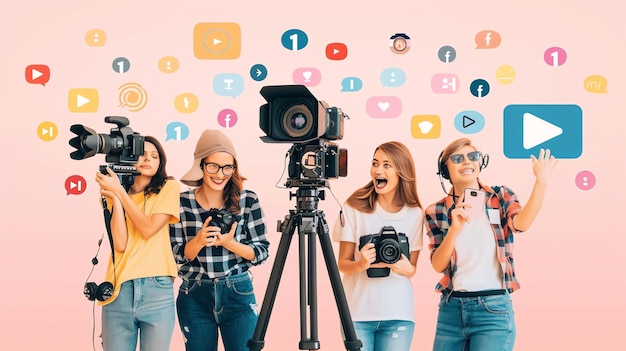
537,131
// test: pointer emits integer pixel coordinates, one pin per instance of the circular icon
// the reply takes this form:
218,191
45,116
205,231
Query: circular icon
216,40
227,118
133,96
47,131
186,103
75,185
176,131
555,56
446,54
479,88
505,74
585,180
121,65
469,122
400,43
294,39
95,37
258,72
168,64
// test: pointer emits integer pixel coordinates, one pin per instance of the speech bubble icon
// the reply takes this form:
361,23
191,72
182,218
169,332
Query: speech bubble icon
307,76
228,84
392,77
487,39
176,131
383,106
351,84
95,37
596,84
75,185
37,74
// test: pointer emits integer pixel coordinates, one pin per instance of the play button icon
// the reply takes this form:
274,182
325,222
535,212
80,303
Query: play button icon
537,130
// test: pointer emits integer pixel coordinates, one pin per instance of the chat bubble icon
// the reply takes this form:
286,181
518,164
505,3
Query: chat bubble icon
596,84
350,84
383,106
75,185
487,39
307,76
37,74
176,131
95,37
228,84
392,77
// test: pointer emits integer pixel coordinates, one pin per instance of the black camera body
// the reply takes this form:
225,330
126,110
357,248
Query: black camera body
389,246
222,219
318,160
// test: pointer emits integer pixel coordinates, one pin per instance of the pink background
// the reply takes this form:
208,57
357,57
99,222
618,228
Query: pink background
570,263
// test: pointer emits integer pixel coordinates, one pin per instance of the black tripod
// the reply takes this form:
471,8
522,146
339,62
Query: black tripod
310,222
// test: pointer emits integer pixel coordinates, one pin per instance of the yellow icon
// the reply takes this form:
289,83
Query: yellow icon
82,100
186,103
47,131
505,74
133,96
95,37
168,64
596,84
426,127
217,41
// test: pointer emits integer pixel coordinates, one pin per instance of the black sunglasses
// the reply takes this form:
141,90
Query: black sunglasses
472,156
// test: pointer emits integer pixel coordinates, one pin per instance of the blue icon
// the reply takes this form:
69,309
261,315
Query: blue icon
258,72
529,128
393,77
176,131
228,84
479,88
294,39
351,84
469,122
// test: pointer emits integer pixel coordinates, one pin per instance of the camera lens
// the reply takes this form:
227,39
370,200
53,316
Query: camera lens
297,121
389,251
473,193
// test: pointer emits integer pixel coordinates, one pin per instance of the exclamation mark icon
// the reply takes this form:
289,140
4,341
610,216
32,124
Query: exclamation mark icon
95,38
168,65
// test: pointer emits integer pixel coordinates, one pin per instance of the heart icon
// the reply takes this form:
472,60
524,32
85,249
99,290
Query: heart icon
383,106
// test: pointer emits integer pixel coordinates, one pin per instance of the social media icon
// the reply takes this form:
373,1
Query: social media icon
479,88
95,37
446,54
176,131
168,64
400,43
294,39
121,65
350,84
426,126
82,100
228,84
596,84
336,51
215,41
227,118
186,103
505,74
307,76
37,74
529,128
487,39
555,56
75,185
133,96
392,77
585,180
444,83
383,106
258,72
47,131
469,122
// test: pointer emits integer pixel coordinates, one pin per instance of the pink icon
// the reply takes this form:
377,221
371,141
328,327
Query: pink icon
445,83
307,76
227,118
585,180
555,56
383,106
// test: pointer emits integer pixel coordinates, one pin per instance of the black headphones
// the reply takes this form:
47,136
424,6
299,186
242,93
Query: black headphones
94,291
444,173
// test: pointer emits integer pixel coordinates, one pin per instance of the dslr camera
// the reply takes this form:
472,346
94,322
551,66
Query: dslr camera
222,219
389,246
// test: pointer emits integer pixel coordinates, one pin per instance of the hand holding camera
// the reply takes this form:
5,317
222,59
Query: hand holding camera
218,228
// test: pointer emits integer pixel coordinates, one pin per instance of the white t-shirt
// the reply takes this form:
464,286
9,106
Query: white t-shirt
385,298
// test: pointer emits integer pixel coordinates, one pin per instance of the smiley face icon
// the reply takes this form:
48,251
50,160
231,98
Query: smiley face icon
400,43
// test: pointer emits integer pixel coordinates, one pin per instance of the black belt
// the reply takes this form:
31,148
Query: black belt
475,293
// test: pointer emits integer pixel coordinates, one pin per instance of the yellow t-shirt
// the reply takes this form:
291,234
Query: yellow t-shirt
151,257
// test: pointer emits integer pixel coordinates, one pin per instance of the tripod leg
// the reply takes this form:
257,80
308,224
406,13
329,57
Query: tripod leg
257,342
308,283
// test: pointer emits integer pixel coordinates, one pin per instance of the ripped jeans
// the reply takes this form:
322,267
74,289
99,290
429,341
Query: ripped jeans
223,305
393,335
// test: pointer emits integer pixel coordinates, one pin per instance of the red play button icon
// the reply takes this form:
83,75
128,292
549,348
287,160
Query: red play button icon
336,51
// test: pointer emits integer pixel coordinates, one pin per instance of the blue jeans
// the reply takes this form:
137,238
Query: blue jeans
223,305
144,308
483,323
393,335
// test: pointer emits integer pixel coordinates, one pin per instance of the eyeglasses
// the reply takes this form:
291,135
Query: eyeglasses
471,156
213,168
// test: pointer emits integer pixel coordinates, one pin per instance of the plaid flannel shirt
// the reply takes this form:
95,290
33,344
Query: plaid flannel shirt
216,261
501,198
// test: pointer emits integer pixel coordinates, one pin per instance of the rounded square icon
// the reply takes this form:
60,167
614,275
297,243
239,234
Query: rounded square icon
426,127
82,100
217,41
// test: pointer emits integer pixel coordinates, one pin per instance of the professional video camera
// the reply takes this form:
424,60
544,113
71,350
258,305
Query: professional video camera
222,219
389,246
122,147
293,115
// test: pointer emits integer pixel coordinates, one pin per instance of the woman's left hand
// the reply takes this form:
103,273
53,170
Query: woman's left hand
109,183
224,239
403,266
544,165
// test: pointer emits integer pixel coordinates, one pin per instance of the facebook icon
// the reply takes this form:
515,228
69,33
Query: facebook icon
479,88
446,54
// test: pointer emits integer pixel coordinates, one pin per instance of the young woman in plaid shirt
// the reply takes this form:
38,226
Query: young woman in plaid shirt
476,254
216,295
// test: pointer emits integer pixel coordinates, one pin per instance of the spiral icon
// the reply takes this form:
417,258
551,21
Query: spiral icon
133,96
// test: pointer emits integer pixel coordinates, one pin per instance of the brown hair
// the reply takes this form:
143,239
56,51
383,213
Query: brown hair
160,177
